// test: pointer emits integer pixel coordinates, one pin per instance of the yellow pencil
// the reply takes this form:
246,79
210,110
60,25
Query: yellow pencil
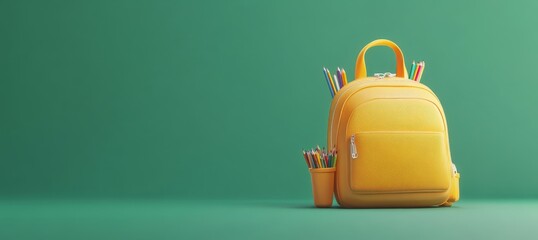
344,76
336,83
330,78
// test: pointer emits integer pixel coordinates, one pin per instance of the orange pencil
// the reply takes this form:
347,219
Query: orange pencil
344,76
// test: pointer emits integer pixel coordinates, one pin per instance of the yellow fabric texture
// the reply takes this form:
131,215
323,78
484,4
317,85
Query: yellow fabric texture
401,139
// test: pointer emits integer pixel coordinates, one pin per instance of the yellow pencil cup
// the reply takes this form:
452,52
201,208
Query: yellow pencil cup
322,186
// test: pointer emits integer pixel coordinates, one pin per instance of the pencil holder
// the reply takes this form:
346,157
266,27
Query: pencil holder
322,186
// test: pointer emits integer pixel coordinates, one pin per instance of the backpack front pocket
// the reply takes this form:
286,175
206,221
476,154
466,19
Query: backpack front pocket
392,162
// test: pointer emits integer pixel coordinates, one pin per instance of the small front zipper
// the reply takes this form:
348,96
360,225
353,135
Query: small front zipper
353,147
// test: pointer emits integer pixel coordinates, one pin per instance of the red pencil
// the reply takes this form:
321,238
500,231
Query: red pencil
417,72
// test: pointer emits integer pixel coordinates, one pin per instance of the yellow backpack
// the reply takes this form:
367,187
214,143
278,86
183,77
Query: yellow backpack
392,141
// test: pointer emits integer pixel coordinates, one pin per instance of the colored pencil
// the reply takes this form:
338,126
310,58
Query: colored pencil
340,80
421,71
335,158
319,160
312,163
306,159
419,66
412,73
344,76
314,158
328,74
336,83
328,82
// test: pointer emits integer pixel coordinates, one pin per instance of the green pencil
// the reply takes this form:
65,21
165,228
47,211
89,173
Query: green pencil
413,67
335,158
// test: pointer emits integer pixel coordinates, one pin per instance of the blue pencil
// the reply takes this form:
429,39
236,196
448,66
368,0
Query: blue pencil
328,82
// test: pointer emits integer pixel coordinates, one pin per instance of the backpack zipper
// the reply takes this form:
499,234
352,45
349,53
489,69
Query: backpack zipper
353,147
384,75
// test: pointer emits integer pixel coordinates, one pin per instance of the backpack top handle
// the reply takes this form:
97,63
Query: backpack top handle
360,66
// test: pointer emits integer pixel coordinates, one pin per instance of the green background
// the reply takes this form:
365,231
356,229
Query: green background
191,100
217,98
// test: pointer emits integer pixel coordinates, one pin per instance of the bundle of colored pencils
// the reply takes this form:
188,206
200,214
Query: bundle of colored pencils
416,70
337,82
320,158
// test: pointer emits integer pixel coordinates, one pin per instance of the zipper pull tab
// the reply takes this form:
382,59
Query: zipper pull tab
384,75
353,147
389,74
